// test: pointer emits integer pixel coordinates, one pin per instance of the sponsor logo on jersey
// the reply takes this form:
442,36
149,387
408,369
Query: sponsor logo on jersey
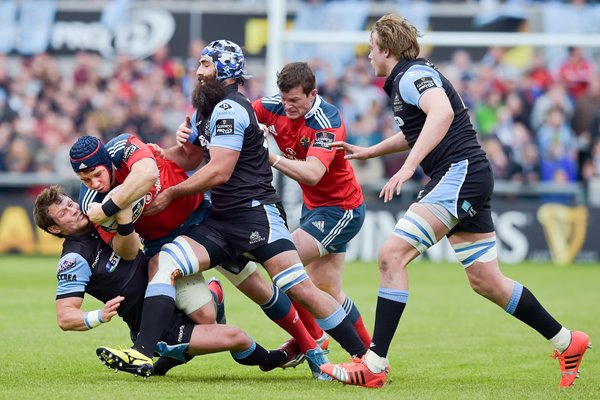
320,225
290,151
113,262
323,140
399,121
66,277
130,148
422,84
255,238
304,142
397,103
225,106
66,265
224,127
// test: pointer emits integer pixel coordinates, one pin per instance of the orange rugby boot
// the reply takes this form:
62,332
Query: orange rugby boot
570,359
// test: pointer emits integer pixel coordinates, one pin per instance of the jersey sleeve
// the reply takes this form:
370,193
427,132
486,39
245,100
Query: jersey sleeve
228,124
73,275
416,81
87,196
258,110
321,145
136,150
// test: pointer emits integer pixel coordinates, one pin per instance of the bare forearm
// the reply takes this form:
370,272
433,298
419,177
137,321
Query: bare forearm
139,182
394,144
305,172
187,156
127,247
202,180
71,319
435,128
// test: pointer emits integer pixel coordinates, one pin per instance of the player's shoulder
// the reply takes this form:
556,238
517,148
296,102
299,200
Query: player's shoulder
323,115
117,144
273,104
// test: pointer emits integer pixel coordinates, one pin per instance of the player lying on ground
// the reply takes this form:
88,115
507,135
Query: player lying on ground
89,265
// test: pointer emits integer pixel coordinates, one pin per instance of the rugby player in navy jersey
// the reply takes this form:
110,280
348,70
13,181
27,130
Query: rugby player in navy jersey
89,265
246,221
435,126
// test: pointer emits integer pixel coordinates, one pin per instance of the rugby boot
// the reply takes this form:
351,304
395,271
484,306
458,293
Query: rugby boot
316,358
291,348
127,360
214,284
570,359
355,373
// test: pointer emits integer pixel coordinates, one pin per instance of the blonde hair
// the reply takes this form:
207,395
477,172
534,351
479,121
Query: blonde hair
398,36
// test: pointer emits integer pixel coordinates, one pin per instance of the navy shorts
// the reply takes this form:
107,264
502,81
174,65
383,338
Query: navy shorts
198,216
465,190
333,227
256,233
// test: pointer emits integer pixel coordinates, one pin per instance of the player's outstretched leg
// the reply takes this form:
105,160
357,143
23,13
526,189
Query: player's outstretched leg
570,359
127,360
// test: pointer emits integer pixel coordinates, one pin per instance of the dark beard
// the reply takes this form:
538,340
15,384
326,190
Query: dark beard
206,96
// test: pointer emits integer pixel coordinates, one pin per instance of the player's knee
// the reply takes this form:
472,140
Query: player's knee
392,257
291,278
175,259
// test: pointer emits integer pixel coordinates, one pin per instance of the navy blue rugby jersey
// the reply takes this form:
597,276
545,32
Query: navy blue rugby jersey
405,86
88,265
233,126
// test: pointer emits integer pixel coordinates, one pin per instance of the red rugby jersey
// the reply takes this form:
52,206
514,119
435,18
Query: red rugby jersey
126,150
312,136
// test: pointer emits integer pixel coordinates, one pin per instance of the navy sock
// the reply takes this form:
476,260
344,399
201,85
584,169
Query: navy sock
157,311
529,310
339,327
390,306
258,355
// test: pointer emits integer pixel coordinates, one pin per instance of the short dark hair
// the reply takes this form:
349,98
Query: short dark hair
50,195
296,74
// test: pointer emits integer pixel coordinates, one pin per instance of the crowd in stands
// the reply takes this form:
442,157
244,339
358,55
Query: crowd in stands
535,124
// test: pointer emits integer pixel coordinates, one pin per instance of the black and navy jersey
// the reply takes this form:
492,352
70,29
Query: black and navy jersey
233,126
405,86
88,265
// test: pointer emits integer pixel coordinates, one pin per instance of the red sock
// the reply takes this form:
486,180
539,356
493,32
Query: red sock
217,289
293,325
309,321
361,329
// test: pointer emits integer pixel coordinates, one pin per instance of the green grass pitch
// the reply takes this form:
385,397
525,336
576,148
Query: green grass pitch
451,344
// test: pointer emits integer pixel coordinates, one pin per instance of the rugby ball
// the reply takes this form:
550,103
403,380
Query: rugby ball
137,207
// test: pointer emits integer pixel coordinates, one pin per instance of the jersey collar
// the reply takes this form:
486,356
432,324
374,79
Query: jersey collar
314,107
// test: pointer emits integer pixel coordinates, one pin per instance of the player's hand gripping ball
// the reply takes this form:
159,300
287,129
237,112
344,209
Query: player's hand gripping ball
137,207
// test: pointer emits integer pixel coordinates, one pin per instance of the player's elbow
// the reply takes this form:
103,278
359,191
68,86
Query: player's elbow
63,323
313,178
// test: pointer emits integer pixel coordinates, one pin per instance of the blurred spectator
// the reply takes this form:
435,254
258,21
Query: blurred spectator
576,72
558,147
